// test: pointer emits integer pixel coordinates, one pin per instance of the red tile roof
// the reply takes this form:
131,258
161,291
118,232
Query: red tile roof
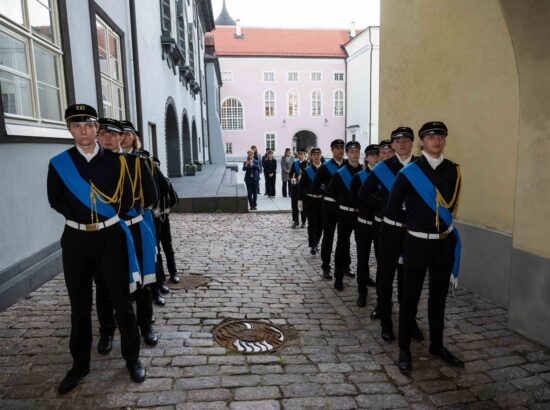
281,42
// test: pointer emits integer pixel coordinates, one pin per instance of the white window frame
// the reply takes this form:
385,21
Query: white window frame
320,103
266,101
334,101
288,73
288,103
23,32
274,149
334,80
222,114
229,148
320,80
269,72
230,73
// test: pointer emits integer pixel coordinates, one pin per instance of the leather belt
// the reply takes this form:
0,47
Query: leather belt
424,235
377,219
135,220
364,221
93,227
394,223
329,199
345,208
314,196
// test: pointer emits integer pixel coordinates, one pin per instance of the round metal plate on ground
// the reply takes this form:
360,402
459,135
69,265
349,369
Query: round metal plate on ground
249,336
188,282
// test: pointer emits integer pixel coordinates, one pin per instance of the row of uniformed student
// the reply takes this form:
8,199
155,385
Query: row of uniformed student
296,170
91,188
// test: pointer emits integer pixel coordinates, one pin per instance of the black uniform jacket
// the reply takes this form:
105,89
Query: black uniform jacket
305,186
303,166
150,191
337,189
365,212
103,170
374,193
323,178
419,216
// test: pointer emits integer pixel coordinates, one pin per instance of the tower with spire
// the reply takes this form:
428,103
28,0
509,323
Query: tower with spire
225,19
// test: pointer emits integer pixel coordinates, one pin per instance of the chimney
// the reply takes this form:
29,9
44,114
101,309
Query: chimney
238,31
352,32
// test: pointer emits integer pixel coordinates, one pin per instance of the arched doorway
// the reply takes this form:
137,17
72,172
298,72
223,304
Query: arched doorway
303,139
195,141
173,150
186,139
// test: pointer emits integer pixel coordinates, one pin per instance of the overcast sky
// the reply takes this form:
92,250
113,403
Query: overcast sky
302,13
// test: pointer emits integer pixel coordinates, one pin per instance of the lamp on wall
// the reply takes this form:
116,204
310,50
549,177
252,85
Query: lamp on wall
326,121
284,122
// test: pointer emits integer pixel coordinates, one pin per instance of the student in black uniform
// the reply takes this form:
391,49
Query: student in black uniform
311,200
375,193
348,208
430,190
329,207
145,195
364,227
296,172
87,185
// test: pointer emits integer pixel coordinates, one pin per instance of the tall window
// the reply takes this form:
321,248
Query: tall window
166,17
232,114
293,76
110,66
270,141
293,103
269,103
316,104
31,74
338,103
229,148
181,21
191,47
316,76
269,75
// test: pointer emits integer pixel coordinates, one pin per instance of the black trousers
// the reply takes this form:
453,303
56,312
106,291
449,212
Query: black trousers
347,223
436,257
391,246
294,204
314,220
270,184
101,253
164,238
286,187
143,296
252,192
329,215
364,243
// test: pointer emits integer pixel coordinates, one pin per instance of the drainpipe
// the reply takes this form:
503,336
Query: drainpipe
370,85
346,103
137,82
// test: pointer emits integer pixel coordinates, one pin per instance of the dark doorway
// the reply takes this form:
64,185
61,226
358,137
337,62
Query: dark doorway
303,140
195,141
173,150
186,139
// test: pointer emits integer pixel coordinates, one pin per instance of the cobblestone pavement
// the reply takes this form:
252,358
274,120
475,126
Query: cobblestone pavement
259,268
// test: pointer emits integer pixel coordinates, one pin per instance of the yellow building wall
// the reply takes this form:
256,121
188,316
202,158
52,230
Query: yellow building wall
453,61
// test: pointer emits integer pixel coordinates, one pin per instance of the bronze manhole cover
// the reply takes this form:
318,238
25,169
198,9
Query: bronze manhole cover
249,336
188,282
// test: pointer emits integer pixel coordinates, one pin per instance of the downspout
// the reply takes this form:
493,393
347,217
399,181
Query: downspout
207,109
370,86
137,82
346,103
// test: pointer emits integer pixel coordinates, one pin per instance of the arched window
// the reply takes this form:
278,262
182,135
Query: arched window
293,103
269,103
232,114
338,103
316,104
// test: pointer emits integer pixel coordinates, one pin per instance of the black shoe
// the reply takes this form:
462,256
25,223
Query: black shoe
159,300
71,379
447,356
153,319
105,344
163,288
371,283
303,225
362,300
374,314
387,333
338,285
295,225
404,363
348,273
326,274
313,251
175,278
150,337
416,333
137,371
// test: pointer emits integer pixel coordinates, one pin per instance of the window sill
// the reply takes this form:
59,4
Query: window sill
17,133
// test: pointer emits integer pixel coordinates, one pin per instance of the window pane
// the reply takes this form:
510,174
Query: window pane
106,92
12,9
118,97
102,47
41,19
12,53
46,66
114,68
113,45
49,99
16,94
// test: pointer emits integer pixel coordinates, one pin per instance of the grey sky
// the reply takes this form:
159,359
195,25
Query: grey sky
302,13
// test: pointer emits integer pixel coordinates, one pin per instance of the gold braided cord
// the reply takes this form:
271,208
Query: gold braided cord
440,201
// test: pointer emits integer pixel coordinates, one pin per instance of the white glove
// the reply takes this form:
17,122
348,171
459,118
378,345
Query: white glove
300,206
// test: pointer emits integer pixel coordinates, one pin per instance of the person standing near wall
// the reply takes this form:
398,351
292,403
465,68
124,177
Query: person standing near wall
296,171
286,163
258,158
251,167
270,174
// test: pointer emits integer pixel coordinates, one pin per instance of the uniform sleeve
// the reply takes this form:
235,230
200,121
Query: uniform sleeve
334,187
150,192
394,208
369,193
56,191
355,185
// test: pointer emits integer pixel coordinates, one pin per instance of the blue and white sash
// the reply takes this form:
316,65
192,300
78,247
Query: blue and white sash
384,174
363,174
297,167
81,189
311,173
426,189
332,167
345,176
148,245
